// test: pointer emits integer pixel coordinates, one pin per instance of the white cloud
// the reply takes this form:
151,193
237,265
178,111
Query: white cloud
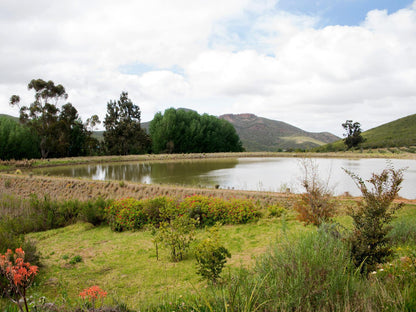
234,56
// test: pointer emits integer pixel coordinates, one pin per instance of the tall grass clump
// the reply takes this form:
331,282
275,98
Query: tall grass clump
310,273
403,232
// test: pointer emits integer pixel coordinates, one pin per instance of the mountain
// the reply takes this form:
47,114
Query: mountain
262,134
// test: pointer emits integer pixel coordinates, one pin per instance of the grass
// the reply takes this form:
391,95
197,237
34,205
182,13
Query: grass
125,265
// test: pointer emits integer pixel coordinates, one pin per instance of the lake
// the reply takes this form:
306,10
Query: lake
256,174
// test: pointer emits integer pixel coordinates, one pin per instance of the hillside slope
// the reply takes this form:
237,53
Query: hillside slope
262,134
400,132
397,133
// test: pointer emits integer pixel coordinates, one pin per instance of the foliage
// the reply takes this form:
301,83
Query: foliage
19,276
123,134
353,135
403,232
177,235
395,280
369,242
185,131
60,131
133,214
313,269
76,259
276,211
316,205
211,256
92,294
17,141
18,217
126,214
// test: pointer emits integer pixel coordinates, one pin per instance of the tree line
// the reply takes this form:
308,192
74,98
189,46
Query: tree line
46,129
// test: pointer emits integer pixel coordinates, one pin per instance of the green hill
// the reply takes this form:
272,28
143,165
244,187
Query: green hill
262,134
10,117
397,133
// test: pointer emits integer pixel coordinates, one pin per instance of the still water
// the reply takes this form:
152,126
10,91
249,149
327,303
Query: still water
256,174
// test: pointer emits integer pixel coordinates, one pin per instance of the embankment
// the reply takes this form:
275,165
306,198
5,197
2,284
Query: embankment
23,185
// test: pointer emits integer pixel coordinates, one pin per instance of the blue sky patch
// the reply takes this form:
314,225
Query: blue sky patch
340,12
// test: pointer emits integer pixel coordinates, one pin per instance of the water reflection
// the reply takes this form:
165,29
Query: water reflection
257,174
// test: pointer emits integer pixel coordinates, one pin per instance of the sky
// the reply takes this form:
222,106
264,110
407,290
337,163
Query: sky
310,63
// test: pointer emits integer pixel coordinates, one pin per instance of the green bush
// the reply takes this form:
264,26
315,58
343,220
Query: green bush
126,214
276,211
370,244
133,214
177,236
161,209
211,256
94,211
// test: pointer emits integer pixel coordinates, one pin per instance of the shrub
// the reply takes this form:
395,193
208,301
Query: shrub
94,211
316,205
160,209
126,214
276,211
202,208
369,242
240,211
211,256
177,235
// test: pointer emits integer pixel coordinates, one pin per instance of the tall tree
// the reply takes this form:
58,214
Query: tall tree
123,134
17,141
185,131
60,131
42,115
353,136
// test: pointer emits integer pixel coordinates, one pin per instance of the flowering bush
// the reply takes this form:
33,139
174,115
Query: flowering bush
133,214
241,211
126,214
18,274
92,294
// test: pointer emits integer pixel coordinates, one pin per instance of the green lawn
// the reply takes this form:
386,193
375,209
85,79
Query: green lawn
125,264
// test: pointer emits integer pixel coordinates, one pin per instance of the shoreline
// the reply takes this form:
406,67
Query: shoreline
9,166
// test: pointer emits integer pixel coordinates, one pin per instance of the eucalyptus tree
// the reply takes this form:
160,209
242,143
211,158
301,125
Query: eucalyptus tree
60,130
353,136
